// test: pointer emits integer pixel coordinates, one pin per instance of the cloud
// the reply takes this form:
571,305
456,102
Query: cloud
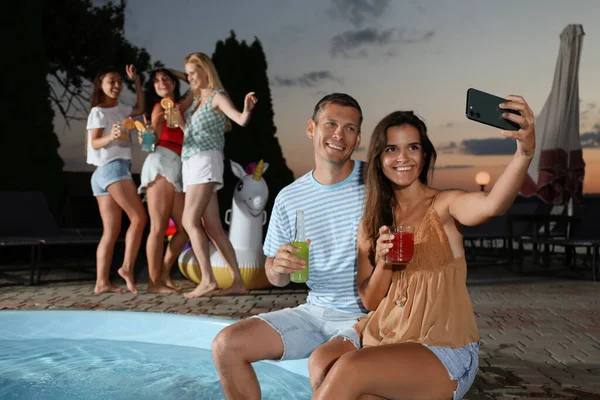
591,140
286,35
488,147
358,11
319,93
465,166
310,79
451,147
507,146
354,43
587,110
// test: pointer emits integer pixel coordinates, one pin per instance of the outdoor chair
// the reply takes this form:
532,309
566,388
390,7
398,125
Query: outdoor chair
26,221
493,241
583,234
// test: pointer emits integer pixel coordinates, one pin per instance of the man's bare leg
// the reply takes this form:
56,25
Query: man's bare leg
236,347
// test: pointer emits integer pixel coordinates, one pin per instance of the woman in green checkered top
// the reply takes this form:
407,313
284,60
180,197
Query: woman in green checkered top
202,156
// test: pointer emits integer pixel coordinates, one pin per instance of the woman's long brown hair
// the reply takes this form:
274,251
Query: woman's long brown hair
379,192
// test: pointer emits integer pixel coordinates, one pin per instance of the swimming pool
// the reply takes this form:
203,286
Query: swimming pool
123,355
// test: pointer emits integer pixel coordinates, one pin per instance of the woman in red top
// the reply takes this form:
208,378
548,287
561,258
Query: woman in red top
161,181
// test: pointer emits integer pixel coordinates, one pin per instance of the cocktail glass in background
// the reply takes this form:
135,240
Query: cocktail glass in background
172,117
148,140
124,132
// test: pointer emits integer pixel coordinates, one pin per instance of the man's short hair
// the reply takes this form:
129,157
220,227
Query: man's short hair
340,99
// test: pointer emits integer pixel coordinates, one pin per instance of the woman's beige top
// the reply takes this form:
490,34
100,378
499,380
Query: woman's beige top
427,302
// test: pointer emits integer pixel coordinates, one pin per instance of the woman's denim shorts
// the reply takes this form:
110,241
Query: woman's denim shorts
106,175
461,363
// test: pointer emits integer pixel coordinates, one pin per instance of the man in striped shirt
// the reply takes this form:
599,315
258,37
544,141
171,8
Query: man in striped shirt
332,197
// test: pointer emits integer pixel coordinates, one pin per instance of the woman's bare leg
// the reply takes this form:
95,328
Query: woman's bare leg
177,242
125,195
395,371
110,212
214,229
160,195
324,357
197,198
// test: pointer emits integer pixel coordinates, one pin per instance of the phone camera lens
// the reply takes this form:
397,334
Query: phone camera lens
477,115
471,113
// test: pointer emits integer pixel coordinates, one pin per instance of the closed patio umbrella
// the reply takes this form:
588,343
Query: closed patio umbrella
557,169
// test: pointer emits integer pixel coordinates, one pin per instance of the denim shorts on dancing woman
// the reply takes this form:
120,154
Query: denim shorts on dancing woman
461,363
104,176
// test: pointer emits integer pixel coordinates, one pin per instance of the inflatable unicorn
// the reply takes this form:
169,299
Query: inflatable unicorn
245,219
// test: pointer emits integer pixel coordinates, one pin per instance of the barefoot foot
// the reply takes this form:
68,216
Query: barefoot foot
169,282
201,290
107,288
160,288
128,278
235,288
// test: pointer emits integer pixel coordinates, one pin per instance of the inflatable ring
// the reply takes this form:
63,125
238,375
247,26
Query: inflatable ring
252,268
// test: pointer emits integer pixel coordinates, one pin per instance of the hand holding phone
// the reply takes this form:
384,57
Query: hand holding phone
483,107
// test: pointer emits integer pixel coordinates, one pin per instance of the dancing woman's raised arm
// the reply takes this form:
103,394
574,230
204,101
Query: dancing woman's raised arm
223,103
139,91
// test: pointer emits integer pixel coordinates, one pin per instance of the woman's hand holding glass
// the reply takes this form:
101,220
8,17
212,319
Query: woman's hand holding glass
140,139
116,132
384,243
175,119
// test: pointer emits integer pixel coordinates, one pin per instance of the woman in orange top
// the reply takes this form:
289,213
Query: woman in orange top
421,340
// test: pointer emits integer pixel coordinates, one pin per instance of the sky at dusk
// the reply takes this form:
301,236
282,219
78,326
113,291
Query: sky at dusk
389,55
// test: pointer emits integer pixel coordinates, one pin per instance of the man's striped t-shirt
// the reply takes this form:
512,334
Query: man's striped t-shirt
331,217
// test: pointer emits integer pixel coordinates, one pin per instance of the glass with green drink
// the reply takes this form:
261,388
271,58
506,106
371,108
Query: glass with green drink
299,242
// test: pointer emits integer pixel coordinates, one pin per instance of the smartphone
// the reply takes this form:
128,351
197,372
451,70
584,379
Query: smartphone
483,107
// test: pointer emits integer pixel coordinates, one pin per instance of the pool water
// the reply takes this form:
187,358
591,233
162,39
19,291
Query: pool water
104,369
89,355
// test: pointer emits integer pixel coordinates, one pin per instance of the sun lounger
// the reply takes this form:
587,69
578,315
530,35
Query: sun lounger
26,220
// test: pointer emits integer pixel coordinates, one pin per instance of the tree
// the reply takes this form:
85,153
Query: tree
29,160
243,69
58,48
81,39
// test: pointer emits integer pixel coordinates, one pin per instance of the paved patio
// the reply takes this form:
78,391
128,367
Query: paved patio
540,336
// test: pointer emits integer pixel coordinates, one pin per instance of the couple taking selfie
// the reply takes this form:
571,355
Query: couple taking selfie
373,326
